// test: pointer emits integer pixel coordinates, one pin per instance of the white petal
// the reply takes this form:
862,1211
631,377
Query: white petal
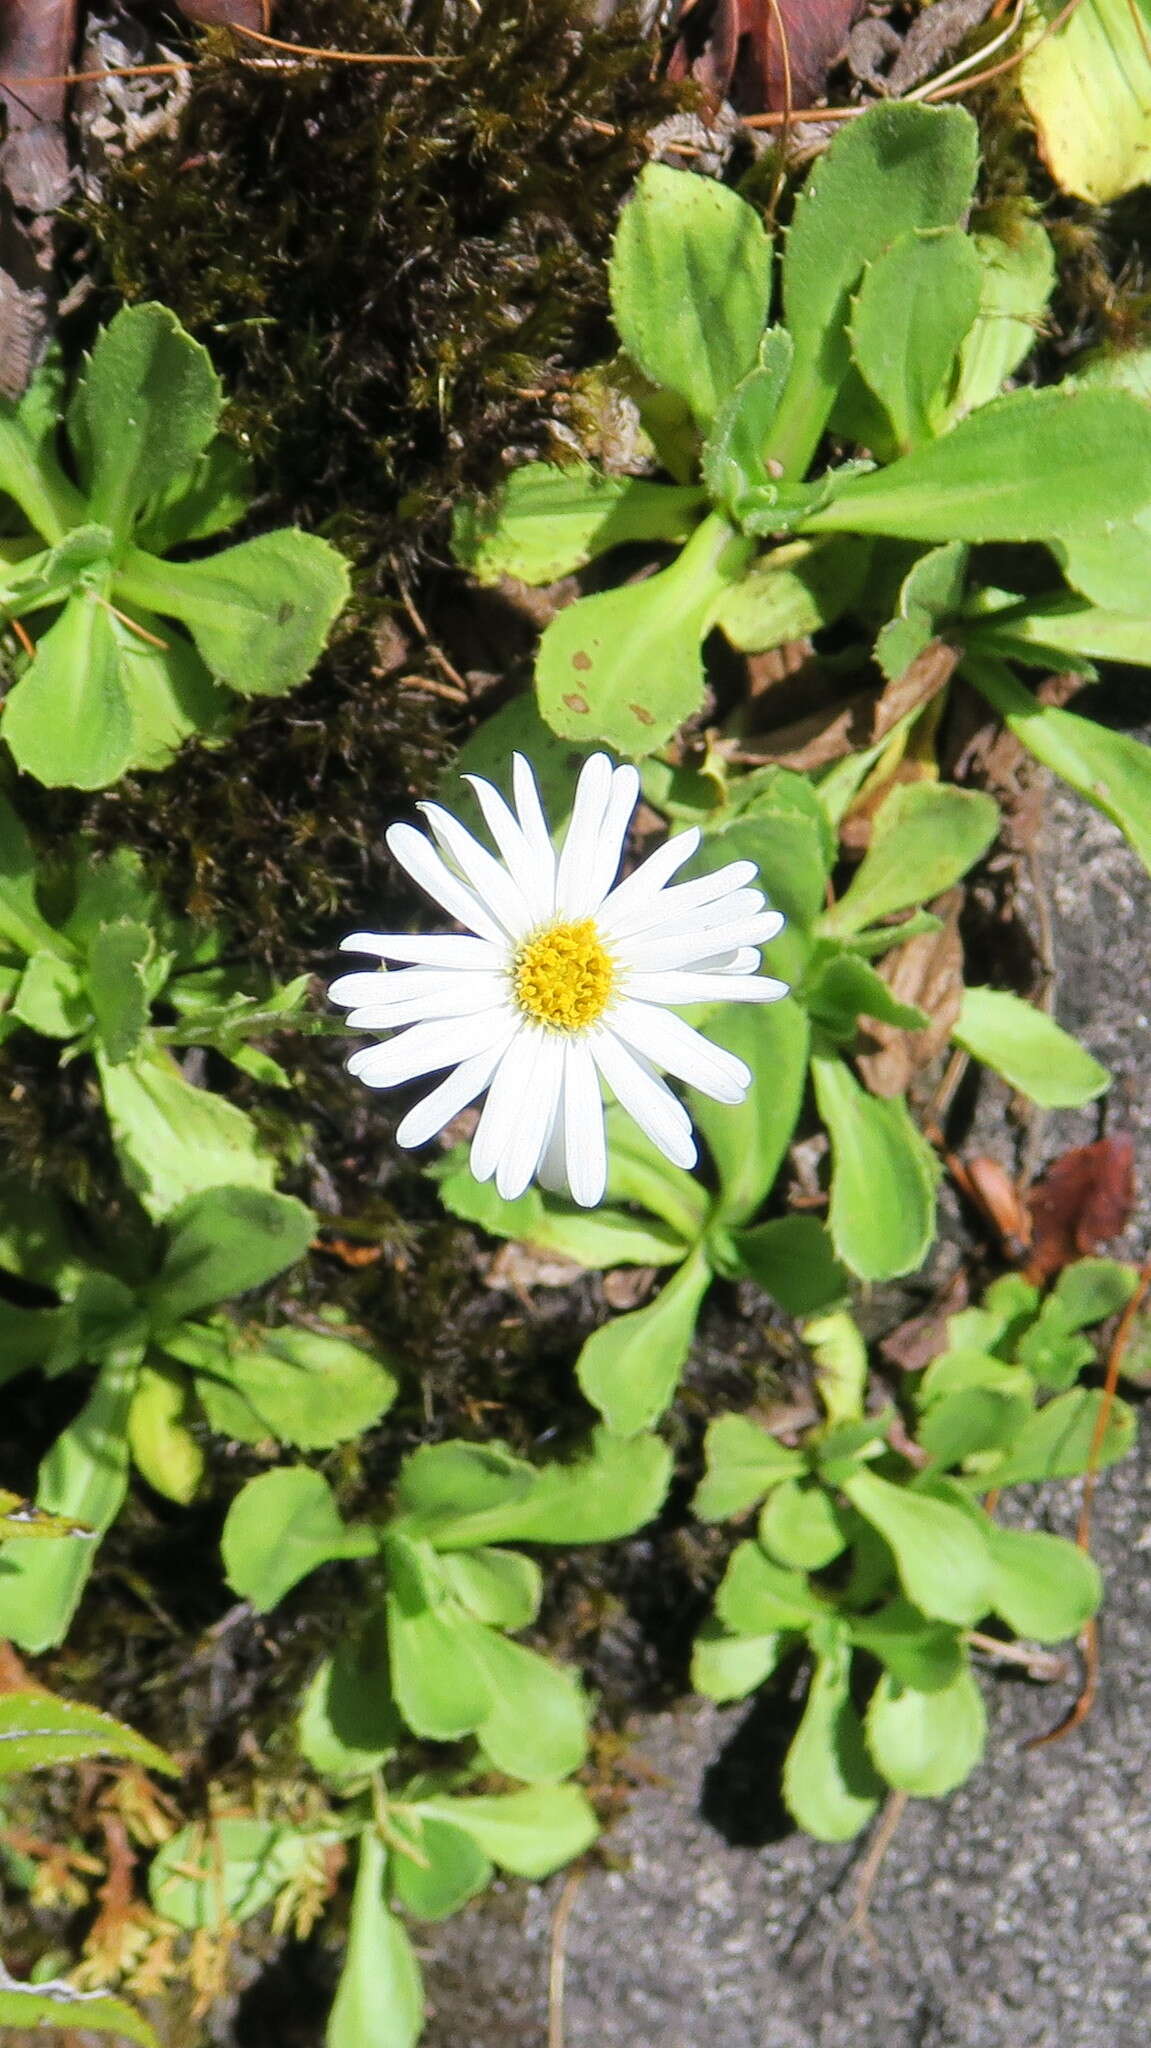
424,1048
585,1148
452,950
467,996
534,877
645,882
670,1043
645,955
487,876
617,816
677,986
744,961
530,811
516,1118
702,918
682,896
425,866
645,1098
352,990
462,1086
581,842
552,1171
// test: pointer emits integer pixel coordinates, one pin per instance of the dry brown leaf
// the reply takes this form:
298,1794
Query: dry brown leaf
255,14
735,49
921,1338
36,43
926,971
861,720
1081,1202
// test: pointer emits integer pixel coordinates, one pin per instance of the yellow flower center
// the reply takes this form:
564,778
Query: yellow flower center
563,977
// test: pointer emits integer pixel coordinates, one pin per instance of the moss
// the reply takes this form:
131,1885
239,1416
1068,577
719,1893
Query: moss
391,266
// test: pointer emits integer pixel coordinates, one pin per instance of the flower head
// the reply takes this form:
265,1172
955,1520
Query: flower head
560,982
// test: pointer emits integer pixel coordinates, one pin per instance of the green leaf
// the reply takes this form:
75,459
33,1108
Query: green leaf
725,1667
976,1419
223,1242
919,1653
896,169
1018,275
85,1477
1091,1290
530,1833
38,1729
837,1345
1029,1049
348,1725
58,2004
759,1598
50,997
1044,1587
516,728
548,520
536,1726
279,1528
690,277
68,719
941,1555
1110,769
800,1526
451,1868
145,407
240,1867
918,300
1057,1441
629,1368
453,1493
1113,569
847,988
930,596
594,1238
175,1140
1051,629
259,612
882,1214
792,1259
1029,466
22,924
116,987
749,1141
926,1743
170,691
440,1686
612,1488
499,1587
638,1172
213,494
309,1389
380,2000
924,837
625,666
743,1463
793,591
164,1451
828,1781
733,456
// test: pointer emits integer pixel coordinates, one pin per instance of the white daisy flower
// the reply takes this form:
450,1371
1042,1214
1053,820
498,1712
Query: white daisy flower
562,982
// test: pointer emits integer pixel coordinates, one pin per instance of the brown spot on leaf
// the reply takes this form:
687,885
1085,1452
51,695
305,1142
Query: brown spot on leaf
641,712
581,660
575,703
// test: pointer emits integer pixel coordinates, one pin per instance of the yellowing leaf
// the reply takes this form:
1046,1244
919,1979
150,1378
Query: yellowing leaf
1087,87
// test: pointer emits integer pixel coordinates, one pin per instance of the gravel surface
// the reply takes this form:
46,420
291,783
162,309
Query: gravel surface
1012,1915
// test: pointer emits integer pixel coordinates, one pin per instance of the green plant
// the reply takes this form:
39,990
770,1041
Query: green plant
883,1173
432,1656
111,683
137,1307
87,951
39,1731
897,330
873,1550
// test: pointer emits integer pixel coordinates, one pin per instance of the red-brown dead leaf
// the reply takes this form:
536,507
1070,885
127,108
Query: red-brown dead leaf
735,49
926,971
1082,1201
990,1190
254,14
